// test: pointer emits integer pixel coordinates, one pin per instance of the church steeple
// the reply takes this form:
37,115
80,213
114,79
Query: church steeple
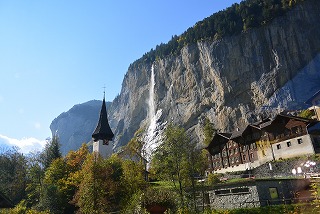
103,131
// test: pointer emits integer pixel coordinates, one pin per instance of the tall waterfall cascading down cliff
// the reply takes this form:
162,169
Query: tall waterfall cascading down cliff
152,138
232,81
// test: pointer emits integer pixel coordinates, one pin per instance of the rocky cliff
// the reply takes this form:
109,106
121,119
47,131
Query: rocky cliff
231,81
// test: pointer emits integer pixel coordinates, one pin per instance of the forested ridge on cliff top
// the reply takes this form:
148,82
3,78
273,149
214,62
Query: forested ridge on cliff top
231,21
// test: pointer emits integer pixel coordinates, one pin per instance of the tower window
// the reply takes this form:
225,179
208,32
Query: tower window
278,146
300,141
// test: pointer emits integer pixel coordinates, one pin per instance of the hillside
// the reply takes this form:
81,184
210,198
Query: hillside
231,80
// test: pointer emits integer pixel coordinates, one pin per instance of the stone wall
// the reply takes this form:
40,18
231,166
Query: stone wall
232,200
258,193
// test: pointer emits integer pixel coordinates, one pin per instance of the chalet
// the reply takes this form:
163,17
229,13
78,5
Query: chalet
283,137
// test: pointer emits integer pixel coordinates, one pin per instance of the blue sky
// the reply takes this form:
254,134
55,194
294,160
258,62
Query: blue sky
55,54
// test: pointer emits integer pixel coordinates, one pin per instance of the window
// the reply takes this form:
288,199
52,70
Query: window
224,154
273,192
300,141
240,190
288,143
222,192
236,150
278,146
237,159
244,157
251,155
232,160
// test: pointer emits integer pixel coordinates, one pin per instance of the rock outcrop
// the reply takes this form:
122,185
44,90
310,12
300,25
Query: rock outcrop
231,81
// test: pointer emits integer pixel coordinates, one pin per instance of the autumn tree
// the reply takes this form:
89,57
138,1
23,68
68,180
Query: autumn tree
62,180
92,196
177,159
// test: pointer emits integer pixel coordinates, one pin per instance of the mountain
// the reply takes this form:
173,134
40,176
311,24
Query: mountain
76,126
232,80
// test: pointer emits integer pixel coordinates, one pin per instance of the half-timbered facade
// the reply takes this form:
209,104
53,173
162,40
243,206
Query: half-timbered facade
283,137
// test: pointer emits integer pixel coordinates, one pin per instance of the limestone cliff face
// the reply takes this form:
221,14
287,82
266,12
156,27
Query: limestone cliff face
230,81
76,126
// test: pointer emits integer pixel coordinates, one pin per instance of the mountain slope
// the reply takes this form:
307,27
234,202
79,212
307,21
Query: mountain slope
76,126
228,80
231,81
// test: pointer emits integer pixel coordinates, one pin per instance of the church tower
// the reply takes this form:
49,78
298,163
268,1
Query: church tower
103,134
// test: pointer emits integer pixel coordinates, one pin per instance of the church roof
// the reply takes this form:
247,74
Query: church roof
103,130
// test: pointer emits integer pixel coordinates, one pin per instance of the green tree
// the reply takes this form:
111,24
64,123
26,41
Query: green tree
176,159
62,180
12,174
93,194
35,174
208,131
51,151
52,197
306,114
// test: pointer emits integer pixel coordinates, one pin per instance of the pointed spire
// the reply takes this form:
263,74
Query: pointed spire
103,130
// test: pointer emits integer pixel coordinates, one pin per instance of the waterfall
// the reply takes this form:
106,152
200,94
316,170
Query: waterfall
151,104
152,138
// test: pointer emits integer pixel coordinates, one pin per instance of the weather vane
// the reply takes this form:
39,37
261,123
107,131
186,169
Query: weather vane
104,91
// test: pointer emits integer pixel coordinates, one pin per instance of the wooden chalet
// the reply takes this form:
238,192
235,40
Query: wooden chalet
283,137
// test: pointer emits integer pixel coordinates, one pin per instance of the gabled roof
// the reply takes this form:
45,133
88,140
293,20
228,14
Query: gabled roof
219,138
237,133
103,130
292,117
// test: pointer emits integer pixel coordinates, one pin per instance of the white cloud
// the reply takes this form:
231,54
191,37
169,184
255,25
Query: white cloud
26,145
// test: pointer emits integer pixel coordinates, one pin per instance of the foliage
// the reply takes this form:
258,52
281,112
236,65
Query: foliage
12,174
51,151
213,179
306,114
134,148
178,160
35,174
150,197
61,181
231,21
208,131
163,197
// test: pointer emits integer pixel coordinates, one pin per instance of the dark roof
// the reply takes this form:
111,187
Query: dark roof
225,135
237,133
103,130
